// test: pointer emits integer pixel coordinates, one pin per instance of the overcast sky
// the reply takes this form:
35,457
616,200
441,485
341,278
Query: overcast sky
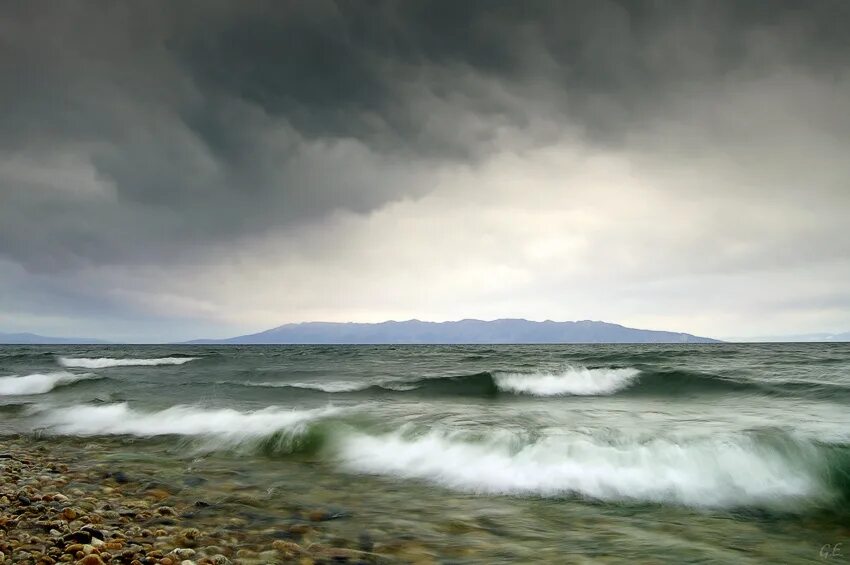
204,169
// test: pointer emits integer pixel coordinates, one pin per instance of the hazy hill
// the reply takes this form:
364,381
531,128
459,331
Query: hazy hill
34,339
463,331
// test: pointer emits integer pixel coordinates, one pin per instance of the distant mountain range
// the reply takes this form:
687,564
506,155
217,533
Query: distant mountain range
34,339
463,331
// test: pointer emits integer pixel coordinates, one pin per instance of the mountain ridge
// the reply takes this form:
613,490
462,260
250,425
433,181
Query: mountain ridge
468,330
26,338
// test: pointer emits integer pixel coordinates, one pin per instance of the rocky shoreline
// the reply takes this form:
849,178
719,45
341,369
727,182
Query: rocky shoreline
57,509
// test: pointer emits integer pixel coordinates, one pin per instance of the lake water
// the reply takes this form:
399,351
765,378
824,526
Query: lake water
583,453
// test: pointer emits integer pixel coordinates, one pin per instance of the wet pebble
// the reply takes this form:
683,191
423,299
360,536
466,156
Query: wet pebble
54,513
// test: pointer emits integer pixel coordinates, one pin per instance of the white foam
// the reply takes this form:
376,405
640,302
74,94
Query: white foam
120,419
578,381
105,362
399,386
333,386
38,383
709,472
340,386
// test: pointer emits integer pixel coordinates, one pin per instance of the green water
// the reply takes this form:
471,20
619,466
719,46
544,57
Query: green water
709,453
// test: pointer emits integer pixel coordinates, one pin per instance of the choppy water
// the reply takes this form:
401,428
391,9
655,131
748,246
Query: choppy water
709,453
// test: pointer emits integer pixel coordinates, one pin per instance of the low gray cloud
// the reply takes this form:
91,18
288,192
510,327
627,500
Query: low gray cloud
159,135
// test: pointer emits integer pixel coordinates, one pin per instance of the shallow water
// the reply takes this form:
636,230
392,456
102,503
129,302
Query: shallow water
689,453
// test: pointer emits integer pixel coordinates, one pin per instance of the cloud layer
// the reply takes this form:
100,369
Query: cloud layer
680,165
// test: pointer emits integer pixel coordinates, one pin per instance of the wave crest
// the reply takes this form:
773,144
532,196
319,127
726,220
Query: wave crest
713,472
331,386
39,383
768,468
571,381
106,362
120,419
575,381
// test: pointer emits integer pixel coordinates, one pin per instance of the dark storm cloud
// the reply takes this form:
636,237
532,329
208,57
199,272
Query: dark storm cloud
338,68
143,132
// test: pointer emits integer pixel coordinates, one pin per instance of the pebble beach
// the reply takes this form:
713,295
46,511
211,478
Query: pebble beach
56,507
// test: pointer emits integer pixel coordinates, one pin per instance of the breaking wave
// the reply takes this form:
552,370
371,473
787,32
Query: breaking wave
573,381
736,471
768,469
577,381
120,419
570,381
39,383
106,362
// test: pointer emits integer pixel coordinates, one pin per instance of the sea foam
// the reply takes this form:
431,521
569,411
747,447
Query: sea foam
710,472
106,362
120,419
38,383
330,386
578,381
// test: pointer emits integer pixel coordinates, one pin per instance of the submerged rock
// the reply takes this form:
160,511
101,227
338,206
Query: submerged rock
94,532
80,536
69,514
323,515
184,553
365,542
288,549
193,481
